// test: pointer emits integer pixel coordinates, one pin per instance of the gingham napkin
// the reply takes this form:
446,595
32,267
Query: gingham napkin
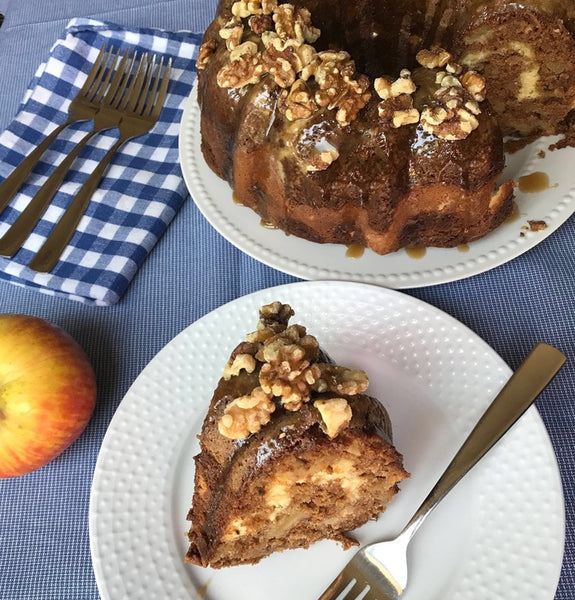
141,191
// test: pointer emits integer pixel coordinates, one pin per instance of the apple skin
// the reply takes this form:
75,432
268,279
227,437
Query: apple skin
47,393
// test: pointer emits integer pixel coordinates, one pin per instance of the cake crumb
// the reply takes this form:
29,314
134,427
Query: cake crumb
537,225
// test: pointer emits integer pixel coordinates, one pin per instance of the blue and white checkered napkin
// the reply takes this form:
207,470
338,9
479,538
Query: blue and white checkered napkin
141,191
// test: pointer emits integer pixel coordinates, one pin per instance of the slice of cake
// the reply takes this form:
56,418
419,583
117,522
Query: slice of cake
292,450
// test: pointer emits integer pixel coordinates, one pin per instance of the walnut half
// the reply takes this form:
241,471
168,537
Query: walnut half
246,414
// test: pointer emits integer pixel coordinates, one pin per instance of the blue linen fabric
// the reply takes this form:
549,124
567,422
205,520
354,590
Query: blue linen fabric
44,544
141,191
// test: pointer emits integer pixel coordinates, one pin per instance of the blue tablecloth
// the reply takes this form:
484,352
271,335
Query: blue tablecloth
44,545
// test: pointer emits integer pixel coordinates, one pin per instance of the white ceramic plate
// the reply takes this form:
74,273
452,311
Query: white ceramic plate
298,257
499,534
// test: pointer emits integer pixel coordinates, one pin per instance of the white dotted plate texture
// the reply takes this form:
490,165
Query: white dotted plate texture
499,534
295,256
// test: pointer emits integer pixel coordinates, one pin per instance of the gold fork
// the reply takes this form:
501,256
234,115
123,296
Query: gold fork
141,115
82,108
107,116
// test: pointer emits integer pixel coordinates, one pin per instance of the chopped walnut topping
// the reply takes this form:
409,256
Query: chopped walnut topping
292,386
351,101
397,106
433,58
320,161
341,380
249,48
289,372
206,51
286,33
335,413
398,110
474,83
403,84
247,69
237,363
276,315
268,6
454,68
446,80
232,32
270,39
454,118
451,98
293,343
335,74
386,88
298,102
246,8
274,318
455,128
452,112
328,67
382,86
246,414
434,115
405,117
294,24
259,24
284,65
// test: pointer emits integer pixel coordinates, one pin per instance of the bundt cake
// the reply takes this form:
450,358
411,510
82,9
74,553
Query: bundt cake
288,437
349,123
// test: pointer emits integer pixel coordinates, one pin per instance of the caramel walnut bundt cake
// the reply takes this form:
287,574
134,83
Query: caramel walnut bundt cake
348,122
292,450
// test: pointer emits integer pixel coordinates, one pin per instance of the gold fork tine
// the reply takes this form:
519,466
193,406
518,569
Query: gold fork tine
109,69
143,98
120,81
81,109
133,124
155,107
97,72
160,91
132,97
106,117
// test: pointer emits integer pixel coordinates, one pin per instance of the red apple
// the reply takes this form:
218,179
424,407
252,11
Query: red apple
47,393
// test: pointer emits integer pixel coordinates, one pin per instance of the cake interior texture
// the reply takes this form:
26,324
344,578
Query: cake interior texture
382,124
290,455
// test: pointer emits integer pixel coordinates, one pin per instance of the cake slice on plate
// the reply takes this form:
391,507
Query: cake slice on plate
292,450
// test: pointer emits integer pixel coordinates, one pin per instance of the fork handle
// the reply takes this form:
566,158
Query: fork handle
52,249
13,239
540,366
14,181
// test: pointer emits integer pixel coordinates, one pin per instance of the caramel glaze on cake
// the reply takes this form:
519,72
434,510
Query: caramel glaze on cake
524,50
326,154
292,450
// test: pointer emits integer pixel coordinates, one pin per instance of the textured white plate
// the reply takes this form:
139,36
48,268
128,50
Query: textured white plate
298,257
499,534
